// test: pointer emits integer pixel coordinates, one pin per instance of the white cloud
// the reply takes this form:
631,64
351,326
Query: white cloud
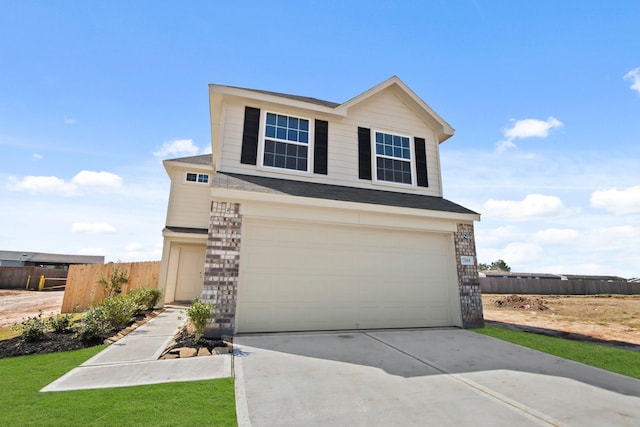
616,235
55,185
619,202
556,236
37,156
97,179
178,147
531,207
526,128
530,128
96,227
69,121
634,76
502,146
137,252
133,247
513,253
42,184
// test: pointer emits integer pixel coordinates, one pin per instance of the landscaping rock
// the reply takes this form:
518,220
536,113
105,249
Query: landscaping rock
169,356
203,351
187,352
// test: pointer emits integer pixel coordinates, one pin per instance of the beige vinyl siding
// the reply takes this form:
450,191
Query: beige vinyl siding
385,111
188,201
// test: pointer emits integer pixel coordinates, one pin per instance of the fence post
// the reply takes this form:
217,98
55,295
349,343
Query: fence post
41,284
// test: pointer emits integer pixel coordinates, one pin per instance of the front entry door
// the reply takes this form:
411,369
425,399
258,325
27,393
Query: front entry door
190,272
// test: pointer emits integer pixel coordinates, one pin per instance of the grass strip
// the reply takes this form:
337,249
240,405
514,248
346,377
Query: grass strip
625,362
209,402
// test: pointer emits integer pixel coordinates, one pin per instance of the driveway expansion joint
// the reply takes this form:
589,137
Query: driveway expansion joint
514,405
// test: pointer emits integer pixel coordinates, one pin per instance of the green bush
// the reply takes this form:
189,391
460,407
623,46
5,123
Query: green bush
113,285
145,298
94,327
119,311
32,328
61,323
199,315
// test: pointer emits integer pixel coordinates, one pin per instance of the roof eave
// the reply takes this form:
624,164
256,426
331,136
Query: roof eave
272,98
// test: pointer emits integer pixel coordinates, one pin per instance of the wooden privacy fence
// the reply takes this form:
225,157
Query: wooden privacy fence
83,290
17,277
503,285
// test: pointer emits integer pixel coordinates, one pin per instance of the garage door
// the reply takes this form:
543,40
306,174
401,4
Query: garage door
308,276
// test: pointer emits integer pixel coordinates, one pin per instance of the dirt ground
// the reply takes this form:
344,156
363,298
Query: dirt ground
615,318
16,305
611,318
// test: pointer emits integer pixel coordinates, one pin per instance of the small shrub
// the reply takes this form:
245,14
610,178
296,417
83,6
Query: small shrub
113,285
61,323
94,327
145,298
199,315
119,311
32,328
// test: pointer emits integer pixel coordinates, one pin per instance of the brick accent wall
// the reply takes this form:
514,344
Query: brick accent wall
468,284
222,264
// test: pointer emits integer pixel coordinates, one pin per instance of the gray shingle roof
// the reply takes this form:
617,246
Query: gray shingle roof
294,97
204,159
260,184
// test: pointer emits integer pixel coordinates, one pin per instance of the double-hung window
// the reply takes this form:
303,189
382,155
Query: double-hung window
393,158
202,178
286,142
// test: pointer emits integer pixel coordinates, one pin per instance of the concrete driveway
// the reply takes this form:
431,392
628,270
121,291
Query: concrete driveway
426,377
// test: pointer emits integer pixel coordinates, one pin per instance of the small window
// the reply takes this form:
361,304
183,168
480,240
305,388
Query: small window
286,142
393,158
198,177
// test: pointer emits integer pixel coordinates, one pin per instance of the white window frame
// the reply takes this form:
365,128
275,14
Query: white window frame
198,175
263,138
375,155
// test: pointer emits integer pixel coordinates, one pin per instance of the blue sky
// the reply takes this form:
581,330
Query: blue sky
544,97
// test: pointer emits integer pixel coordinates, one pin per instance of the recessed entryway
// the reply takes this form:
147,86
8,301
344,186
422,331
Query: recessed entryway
190,274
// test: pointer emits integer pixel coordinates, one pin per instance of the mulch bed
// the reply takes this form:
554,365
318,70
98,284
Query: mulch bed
54,342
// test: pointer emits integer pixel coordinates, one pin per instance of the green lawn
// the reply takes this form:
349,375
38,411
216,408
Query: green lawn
200,403
625,362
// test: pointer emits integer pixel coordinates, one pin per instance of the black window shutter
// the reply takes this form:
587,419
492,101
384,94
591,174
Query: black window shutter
364,153
421,161
249,153
320,141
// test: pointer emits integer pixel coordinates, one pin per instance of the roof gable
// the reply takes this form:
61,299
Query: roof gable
442,128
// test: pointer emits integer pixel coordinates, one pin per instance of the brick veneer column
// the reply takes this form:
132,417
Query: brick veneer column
222,266
470,295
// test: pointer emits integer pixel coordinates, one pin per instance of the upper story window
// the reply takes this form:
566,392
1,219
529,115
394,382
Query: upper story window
393,158
197,177
286,142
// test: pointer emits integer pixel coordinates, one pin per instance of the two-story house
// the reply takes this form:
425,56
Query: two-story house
313,215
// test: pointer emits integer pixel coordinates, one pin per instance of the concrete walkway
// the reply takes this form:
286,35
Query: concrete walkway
133,360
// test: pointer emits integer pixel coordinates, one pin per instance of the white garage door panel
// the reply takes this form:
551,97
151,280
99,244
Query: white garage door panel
306,276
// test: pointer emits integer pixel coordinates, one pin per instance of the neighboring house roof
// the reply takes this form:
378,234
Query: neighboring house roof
36,257
588,277
333,192
499,273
